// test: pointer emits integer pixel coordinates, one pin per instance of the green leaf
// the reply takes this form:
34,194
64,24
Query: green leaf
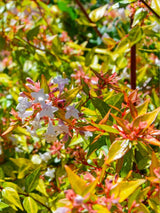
101,141
148,117
11,196
135,35
2,43
5,79
3,206
30,205
117,149
44,84
78,184
32,180
106,128
85,86
139,15
102,107
32,33
125,188
98,13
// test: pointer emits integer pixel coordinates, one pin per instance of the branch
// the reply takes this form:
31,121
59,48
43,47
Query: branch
150,9
85,13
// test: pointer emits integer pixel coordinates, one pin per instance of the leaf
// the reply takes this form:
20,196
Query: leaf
70,95
32,180
139,15
104,120
102,107
135,35
155,4
141,109
98,13
10,129
78,184
97,143
32,33
90,188
100,209
125,188
148,117
30,205
106,128
44,84
133,110
3,205
121,123
12,197
117,149
41,187
154,163
85,87
2,43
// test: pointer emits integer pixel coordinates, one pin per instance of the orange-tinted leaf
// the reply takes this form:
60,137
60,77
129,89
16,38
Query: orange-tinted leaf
133,110
154,164
121,123
148,117
10,129
152,140
104,120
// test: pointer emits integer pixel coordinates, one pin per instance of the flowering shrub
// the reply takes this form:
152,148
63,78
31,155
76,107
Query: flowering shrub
76,136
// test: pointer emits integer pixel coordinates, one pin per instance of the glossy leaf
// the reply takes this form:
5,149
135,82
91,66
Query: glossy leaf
98,13
148,117
125,188
102,107
30,205
155,4
100,209
70,95
139,15
11,196
117,149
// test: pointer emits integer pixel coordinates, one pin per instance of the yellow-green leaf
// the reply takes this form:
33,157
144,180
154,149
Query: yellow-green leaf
100,209
78,184
70,95
30,205
11,196
125,188
155,4
148,117
44,84
98,13
117,149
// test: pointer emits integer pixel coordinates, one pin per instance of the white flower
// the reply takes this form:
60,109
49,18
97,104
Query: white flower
61,82
31,131
61,128
36,122
62,210
50,135
48,110
45,156
50,173
39,96
25,115
78,200
88,134
23,104
71,112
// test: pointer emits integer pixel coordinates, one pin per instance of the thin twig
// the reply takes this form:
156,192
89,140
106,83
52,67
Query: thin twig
150,9
85,13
